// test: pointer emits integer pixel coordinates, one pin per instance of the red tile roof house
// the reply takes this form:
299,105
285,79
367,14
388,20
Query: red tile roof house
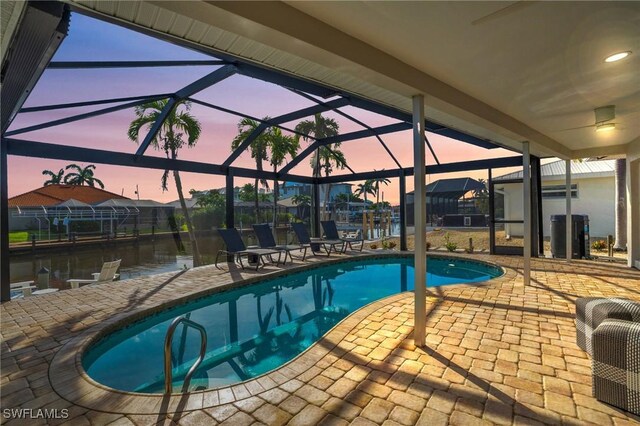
24,208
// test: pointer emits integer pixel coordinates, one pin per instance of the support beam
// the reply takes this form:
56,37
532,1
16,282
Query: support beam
74,65
569,219
492,213
537,181
157,125
239,114
296,115
83,116
420,215
353,119
392,128
315,210
189,90
32,149
5,289
435,157
91,103
633,213
463,166
403,212
229,220
526,192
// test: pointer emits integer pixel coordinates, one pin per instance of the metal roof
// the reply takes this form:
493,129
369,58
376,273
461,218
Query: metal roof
579,169
452,188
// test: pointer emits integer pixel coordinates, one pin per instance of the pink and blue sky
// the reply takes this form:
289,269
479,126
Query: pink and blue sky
93,40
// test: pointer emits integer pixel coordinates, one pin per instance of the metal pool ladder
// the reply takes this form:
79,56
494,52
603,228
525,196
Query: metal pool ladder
168,371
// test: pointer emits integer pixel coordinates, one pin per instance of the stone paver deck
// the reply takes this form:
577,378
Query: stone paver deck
498,353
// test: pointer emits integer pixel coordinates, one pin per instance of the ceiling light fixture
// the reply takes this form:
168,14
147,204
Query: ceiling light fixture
605,127
617,56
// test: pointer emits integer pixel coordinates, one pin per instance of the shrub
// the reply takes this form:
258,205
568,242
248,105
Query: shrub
450,245
388,244
373,246
428,245
599,245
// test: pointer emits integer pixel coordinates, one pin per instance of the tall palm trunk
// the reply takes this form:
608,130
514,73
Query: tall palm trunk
621,204
187,219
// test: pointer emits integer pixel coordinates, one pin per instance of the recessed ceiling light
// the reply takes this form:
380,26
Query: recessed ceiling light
605,127
617,56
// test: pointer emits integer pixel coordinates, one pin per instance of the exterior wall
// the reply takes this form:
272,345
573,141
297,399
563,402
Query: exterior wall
595,199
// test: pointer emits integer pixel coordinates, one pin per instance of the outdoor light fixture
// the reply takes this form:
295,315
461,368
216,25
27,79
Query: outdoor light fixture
617,56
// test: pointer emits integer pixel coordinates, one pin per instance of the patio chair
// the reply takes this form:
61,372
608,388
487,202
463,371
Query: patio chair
24,287
235,247
106,274
331,232
303,238
266,240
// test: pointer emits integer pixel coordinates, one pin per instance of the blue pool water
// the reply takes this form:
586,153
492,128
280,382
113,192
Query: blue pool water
257,328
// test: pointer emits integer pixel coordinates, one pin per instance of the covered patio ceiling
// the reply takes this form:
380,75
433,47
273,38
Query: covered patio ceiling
506,72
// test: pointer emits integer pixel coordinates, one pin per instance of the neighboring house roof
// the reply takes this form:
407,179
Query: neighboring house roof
73,203
579,169
52,195
116,202
190,202
287,202
452,188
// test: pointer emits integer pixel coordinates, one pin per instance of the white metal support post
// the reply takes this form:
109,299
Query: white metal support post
526,190
569,219
633,213
420,215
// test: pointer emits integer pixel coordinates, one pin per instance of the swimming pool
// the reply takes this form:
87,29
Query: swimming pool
257,328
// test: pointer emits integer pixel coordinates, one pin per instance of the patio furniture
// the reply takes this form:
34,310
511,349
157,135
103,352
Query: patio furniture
266,240
303,238
106,274
616,364
591,311
26,287
236,248
331,232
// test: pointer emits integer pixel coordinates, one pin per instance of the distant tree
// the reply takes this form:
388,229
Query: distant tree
247,193
301,201
280,146
82,175
178,124
481,196
212,208
326,158
54,178
258,149
364,189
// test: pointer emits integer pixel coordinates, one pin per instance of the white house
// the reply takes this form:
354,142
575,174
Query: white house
592,193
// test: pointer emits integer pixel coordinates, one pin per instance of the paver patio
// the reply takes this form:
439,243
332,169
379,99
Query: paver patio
497,353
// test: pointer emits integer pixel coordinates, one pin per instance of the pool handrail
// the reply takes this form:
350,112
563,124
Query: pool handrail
168,370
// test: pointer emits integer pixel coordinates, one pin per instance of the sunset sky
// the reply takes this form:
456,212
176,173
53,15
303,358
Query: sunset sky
90,39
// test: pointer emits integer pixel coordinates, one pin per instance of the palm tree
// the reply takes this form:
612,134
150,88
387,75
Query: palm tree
82,175
54,178
363,189
301,201
258,149
280,146
621,204
375,185
482,197
326,157
178,125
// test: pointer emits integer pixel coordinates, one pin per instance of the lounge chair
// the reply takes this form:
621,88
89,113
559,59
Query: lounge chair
331,231
25,287
106,274
266,240
303,238
236,248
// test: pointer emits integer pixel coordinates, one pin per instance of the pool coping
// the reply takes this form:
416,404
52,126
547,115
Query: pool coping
71,382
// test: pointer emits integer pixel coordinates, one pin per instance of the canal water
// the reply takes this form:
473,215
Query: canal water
146,257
